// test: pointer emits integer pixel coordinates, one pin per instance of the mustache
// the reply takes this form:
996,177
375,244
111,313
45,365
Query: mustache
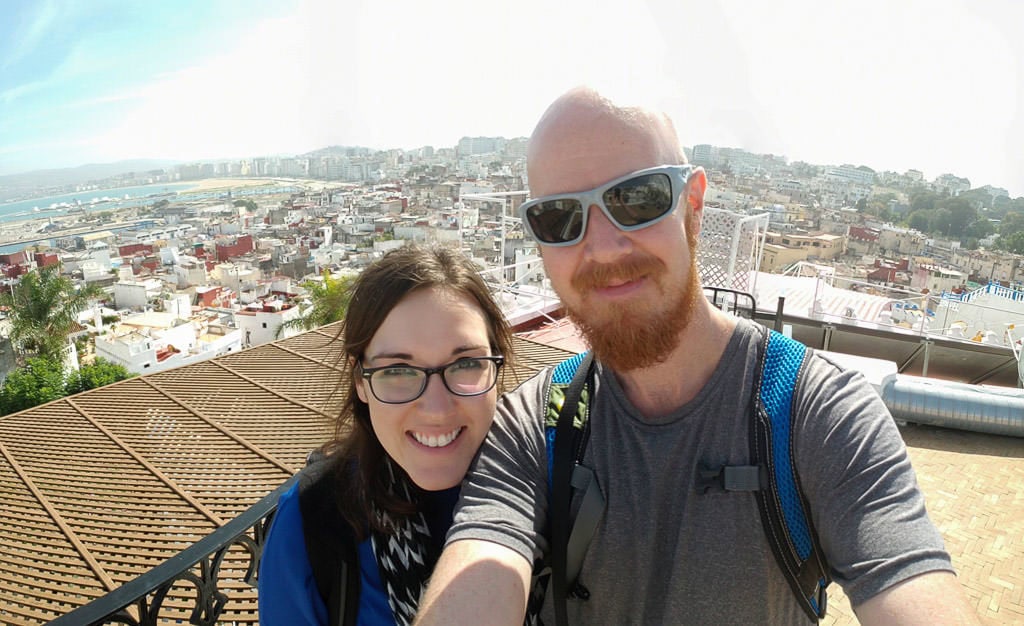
597,275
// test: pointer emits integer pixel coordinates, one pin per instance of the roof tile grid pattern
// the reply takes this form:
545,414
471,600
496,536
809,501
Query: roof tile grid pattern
97,488
38,561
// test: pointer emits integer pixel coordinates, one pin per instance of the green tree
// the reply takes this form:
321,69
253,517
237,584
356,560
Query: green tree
99,374
249,204
940,220
44,306
980,228
977,197
920,220
880,202
1014,243
961,215
1002,203
329,303
923,200
1012,222
40,380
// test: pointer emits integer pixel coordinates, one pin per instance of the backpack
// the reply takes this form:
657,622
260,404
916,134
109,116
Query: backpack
330,545
772,476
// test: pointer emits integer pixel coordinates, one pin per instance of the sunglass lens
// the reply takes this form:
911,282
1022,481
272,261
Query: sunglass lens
556,221
639,200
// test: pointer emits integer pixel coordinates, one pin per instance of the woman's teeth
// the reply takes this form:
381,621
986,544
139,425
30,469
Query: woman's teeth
435,441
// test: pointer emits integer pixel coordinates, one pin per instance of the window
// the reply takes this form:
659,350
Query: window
264,324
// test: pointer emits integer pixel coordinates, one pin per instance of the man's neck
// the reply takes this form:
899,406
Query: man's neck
663,388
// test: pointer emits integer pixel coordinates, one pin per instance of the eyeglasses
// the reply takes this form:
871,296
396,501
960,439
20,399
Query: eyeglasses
632,202
398,384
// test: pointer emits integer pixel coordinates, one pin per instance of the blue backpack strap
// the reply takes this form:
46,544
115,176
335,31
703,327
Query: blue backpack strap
784,510
566,431
561,378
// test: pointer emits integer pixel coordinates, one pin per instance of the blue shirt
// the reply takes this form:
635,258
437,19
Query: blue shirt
287,589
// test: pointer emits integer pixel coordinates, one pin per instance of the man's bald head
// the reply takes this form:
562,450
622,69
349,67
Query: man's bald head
582,124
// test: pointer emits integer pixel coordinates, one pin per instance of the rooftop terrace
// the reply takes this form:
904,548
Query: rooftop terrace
99,488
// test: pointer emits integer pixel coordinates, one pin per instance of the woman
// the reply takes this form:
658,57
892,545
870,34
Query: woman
424,343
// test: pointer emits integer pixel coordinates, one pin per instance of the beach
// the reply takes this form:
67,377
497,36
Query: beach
217,184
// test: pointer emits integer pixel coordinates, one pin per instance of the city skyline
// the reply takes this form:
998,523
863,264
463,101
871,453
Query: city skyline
914,86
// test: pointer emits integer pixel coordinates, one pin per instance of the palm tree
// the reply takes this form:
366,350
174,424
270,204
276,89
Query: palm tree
43,308
330,303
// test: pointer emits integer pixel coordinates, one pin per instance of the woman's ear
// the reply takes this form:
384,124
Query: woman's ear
357,380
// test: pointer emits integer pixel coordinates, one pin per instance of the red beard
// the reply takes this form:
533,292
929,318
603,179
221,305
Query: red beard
634,336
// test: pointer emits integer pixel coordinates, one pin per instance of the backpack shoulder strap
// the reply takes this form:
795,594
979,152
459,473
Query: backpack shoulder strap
330,545
784,510
566,431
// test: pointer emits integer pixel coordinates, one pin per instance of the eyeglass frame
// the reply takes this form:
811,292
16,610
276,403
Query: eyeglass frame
367,373
678,174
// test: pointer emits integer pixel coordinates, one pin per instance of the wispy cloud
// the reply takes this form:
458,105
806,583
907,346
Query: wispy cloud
124,96
10,95
45,13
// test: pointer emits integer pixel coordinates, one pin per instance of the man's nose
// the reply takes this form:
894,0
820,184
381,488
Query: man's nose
604,241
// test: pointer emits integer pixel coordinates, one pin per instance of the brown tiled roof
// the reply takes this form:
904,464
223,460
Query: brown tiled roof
97,488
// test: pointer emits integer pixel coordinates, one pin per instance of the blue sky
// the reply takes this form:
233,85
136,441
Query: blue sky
936,86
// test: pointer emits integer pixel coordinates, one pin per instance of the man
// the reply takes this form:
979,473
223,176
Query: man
673,390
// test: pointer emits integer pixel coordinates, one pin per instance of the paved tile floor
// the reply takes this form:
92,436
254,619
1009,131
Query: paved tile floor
974,486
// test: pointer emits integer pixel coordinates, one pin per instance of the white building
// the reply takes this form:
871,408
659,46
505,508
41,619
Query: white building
705,154
93,271
162,233
480,145
153,342
169,255
136,294
190,271
893,240
850,174
235,276
333,254
259,322
951,184
936,278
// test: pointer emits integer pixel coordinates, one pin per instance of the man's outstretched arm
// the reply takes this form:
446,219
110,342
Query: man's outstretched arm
927,599
476,582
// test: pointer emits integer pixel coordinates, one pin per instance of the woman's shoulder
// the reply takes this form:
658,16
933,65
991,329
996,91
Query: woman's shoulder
323,485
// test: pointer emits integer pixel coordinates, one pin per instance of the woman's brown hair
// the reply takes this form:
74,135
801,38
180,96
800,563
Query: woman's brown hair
361,461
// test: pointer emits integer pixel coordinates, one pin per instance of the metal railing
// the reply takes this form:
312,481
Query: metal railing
140,601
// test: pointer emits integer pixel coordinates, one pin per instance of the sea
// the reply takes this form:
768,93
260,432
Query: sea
118,198
94,200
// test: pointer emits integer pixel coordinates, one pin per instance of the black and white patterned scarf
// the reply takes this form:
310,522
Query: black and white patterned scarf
406,555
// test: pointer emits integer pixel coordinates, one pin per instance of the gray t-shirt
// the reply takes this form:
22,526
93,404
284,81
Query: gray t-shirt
664,554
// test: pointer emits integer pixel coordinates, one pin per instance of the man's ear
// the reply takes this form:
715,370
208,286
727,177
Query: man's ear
695,189
358,381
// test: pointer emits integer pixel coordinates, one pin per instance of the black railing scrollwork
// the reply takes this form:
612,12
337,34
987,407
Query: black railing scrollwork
139,602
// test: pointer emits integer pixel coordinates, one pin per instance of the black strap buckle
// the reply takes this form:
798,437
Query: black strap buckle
729,478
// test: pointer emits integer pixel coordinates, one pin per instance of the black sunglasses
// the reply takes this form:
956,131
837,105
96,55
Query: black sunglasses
631,202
